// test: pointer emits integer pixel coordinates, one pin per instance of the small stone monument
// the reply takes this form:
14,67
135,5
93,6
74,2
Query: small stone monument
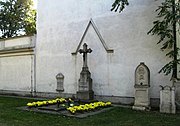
60,82
177,93
85,91
167,100
142,84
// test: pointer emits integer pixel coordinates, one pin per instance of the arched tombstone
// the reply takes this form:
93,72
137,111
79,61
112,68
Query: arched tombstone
142,85
60,82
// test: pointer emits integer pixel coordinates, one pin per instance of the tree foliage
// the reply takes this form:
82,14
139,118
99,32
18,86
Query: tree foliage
166,28
17,18
119,5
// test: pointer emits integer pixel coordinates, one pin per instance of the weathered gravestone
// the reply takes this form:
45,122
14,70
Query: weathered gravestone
167,100
85,91
142,84
177,94
60,82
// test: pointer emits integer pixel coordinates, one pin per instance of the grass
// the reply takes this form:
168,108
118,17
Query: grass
11,116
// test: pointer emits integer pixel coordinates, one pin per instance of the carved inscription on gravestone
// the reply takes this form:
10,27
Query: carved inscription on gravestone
142,75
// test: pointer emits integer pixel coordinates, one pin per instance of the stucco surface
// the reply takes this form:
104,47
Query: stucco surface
17,64
15,73
60,26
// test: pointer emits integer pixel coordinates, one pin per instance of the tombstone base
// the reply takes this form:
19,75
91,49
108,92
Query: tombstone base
85,95
167,100
142,99
142,108
168,109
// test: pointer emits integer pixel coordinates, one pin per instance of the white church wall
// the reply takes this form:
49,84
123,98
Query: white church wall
60,26
16,65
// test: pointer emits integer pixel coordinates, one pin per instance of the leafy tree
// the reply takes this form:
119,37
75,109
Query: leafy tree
165,27
17,18
119,5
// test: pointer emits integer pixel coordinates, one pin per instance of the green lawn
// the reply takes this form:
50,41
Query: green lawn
10,116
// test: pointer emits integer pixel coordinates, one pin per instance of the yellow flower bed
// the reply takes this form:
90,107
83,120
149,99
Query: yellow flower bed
73,109
88,107
48,102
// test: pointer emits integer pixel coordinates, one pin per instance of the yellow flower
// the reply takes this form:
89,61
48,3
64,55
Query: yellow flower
30,104
108,103
62,100
70,100
39,103
71,109
54,101
45,102
50,102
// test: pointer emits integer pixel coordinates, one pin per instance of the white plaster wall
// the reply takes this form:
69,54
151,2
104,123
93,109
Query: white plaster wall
18,41
15,73
16,67
60,25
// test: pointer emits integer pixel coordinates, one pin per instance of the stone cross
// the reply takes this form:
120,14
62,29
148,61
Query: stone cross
85,50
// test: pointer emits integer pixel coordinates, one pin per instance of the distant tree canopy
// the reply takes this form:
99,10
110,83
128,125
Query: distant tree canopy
17,18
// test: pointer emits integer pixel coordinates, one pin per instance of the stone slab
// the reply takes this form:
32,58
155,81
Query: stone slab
142,108
52,108
85,95
67,113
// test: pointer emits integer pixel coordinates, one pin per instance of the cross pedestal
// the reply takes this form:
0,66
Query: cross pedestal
85,91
